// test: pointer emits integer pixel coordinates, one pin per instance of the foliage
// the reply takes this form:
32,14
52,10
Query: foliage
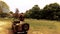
3,9
34,12
11,12
4,15
3,4
51,11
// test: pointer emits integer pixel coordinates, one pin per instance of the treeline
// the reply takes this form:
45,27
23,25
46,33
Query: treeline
4,9
51,12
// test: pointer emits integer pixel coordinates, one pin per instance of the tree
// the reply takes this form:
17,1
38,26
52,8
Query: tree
11,12
51,10
28,13
4,9
34,12
4,15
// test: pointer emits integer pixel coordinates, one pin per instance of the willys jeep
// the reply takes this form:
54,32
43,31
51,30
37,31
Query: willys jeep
19,27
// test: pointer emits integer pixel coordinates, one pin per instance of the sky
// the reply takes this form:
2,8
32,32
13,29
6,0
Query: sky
24,5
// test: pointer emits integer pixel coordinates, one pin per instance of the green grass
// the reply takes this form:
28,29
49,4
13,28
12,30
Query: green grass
52,27
36,26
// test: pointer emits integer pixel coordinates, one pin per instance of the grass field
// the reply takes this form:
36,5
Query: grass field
43,26
36,26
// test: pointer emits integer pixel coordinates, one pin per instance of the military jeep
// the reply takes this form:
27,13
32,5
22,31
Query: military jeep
19,28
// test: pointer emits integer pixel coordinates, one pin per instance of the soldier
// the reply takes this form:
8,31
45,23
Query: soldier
21,18
19,27
24,25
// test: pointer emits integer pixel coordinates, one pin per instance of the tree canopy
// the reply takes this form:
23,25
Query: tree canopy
33,12
4,9
51,11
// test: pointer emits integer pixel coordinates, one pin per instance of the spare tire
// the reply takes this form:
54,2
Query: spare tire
25,27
